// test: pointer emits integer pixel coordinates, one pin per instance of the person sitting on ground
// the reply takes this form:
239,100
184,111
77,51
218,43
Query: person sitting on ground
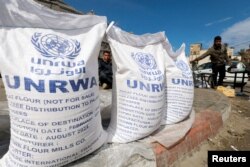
105,71
219,58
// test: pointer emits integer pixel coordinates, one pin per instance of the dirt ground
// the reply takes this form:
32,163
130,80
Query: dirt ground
235,135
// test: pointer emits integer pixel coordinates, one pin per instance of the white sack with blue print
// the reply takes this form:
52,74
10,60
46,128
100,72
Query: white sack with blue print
138,87
49,68
179,88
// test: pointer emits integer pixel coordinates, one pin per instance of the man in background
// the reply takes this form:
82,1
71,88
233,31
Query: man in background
219,58
105,71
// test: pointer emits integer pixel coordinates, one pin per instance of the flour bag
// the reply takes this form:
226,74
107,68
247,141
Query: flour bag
138,85
49,68
179,88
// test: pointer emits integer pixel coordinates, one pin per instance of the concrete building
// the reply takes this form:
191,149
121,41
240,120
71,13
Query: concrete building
195,51
195,48
246,56
58,5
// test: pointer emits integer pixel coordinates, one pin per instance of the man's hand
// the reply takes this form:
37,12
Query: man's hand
193,61
229,63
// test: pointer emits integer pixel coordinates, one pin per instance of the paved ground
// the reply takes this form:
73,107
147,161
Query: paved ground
235,135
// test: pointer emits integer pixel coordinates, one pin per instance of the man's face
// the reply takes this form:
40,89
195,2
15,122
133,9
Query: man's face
217,43
106,57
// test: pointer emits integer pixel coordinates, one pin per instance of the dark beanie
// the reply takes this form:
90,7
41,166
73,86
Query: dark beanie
217,38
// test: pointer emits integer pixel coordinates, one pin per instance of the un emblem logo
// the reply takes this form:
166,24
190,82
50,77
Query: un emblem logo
184,68
144,60
53,46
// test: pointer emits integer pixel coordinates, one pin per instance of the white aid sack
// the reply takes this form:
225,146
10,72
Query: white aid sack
50,72
179,88
138,85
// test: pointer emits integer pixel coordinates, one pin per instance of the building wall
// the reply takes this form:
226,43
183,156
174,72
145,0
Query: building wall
246,58
205,60
58,5
195,49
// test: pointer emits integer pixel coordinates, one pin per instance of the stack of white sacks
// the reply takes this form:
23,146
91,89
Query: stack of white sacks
49,68
153,85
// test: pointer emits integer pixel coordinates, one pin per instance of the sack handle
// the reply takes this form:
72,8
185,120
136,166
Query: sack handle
110,25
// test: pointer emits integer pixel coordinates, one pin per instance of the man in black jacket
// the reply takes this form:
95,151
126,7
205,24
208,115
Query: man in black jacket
219,58
105,71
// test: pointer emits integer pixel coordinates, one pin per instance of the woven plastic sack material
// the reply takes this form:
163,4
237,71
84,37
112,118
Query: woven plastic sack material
50,71
138,91
179,88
